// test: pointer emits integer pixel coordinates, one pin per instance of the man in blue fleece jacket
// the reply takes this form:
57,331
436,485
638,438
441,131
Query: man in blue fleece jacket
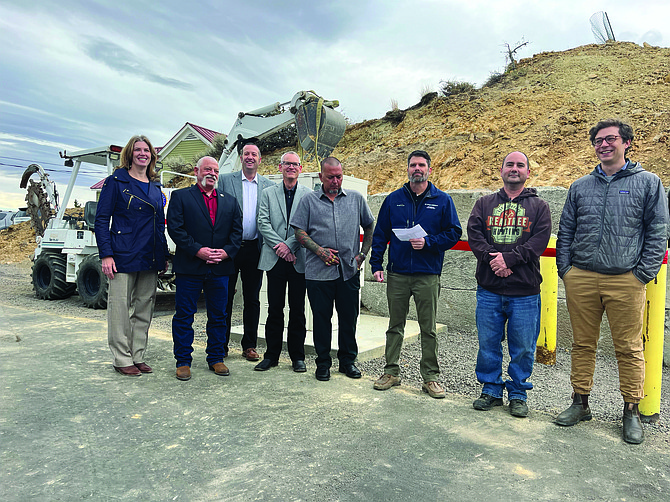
414,266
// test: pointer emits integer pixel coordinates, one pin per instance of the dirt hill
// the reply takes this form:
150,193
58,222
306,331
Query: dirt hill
544,109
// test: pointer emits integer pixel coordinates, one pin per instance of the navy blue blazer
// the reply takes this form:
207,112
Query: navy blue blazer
136,238
190,227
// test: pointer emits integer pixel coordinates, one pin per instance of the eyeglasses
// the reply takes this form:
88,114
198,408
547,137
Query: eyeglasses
291,164
609,139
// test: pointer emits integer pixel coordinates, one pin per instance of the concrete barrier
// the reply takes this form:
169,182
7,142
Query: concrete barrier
457,297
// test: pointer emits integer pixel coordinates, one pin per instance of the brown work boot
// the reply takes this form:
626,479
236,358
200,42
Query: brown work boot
184,373
632,427
434,389
386,381
219,369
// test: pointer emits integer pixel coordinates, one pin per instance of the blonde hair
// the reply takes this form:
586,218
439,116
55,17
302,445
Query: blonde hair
127,155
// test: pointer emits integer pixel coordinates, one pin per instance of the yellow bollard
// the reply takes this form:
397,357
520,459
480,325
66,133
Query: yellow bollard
546,342
652,337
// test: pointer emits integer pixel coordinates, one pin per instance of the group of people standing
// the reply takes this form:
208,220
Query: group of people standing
611,242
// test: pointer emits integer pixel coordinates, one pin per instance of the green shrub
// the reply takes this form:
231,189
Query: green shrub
495,77
453,87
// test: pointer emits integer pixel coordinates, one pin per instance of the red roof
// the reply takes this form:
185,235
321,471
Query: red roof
99,184
207,133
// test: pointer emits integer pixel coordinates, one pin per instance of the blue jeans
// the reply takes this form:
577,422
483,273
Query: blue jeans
186,297
522,315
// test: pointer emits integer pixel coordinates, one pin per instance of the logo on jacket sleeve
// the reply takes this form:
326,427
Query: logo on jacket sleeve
507,223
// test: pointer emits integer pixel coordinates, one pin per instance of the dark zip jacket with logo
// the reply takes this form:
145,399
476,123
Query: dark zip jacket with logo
519,229
136,238
435,213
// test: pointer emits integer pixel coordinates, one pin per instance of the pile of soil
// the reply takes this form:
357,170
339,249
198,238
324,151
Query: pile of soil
18,243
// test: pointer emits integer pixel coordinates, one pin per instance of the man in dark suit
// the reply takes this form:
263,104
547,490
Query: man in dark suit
283,259
246,186
206,227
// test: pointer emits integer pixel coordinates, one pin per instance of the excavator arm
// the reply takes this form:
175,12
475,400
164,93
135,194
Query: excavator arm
319,126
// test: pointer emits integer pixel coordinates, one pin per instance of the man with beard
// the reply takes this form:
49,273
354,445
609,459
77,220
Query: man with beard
206,227
246,186
508,231
414,266
327,223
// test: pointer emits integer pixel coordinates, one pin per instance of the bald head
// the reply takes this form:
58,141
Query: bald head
514,172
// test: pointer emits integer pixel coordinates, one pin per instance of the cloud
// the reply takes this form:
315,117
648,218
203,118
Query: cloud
652,37
11,138
12,201
123,61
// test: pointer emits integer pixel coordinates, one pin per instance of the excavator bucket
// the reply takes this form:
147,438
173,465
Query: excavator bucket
320,128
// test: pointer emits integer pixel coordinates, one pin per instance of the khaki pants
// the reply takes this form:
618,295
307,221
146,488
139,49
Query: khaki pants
130,305
589,294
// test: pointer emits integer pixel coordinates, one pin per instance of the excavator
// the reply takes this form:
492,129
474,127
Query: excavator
66,258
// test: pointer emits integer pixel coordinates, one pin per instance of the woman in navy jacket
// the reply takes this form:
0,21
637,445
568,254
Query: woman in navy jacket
133,250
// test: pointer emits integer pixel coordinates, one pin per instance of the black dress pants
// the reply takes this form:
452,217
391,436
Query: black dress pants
283,274
246,266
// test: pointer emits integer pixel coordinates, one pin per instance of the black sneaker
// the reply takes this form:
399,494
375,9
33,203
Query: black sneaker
486,402
518,408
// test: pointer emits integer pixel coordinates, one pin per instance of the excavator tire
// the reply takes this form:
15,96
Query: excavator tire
49,279
92,283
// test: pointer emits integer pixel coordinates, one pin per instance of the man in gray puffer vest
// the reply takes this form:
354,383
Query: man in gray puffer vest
611,242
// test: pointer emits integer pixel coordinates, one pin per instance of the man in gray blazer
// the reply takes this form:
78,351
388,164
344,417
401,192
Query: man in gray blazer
246,185
283,259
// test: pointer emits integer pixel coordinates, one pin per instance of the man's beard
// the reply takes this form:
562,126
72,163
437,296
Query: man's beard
418,178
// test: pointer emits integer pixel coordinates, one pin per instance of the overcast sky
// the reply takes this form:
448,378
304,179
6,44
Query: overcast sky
78,74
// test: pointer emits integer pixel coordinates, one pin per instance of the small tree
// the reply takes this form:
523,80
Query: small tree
218,145
511,52
77,204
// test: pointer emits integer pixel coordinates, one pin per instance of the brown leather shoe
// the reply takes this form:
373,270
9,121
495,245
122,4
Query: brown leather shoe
434,389
219,369
184,373
128,370
144,367
251,355
386,381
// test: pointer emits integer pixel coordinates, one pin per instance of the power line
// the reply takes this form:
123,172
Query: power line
31,161
51,170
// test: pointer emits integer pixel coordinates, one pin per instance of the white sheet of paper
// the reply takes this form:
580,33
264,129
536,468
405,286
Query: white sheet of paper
405,234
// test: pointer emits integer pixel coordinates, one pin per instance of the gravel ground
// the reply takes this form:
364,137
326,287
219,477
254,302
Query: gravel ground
551,392
457,355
